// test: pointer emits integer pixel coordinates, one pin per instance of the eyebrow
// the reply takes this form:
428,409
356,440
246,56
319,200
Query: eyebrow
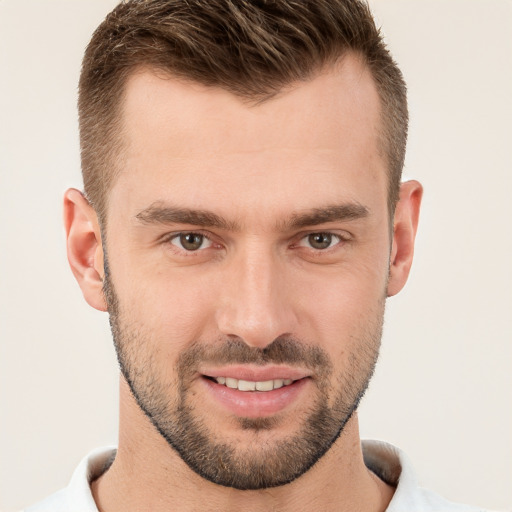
332,213
158,213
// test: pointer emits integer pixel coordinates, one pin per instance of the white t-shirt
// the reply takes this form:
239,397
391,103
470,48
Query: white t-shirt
388,462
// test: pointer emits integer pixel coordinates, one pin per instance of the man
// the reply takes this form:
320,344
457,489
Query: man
243,223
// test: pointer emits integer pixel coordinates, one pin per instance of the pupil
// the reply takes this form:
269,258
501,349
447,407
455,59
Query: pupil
191,241
320,240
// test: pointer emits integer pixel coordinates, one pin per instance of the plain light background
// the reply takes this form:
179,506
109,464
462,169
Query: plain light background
443,389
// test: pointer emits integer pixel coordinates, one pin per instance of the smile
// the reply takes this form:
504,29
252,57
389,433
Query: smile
248,385
268,397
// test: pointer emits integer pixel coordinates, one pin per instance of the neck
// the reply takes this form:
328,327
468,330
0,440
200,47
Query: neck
148,474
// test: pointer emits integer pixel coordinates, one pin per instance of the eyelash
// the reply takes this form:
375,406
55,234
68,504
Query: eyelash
332,237
168,239
176,236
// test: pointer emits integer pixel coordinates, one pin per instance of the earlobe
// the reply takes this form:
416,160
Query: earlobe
404,232
84,247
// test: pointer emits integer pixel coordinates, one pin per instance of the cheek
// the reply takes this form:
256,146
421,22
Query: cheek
171,309
346,309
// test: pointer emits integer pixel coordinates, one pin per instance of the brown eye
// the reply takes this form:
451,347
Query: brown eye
191,241
320,240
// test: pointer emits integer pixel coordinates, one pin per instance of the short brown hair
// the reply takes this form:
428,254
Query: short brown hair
252,48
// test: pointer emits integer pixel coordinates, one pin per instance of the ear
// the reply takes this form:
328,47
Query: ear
404,231
84,247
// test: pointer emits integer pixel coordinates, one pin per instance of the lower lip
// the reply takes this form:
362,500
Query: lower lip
256,404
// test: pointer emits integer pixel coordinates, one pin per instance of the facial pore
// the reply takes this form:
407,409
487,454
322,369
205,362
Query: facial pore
169,405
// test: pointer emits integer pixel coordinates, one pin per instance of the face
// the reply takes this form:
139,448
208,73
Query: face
248,256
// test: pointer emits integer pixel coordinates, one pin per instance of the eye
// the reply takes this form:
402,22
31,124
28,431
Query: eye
191,241
320,241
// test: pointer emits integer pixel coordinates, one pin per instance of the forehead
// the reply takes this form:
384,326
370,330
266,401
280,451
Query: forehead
199,142
342,96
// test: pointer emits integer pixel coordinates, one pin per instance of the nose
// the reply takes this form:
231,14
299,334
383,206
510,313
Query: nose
256,303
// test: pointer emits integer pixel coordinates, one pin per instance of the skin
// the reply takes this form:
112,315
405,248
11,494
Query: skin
313,146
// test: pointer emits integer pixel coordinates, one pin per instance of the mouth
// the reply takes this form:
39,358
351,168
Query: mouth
251,385
256,392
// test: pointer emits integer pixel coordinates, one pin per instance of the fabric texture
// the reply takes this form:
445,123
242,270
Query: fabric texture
386,461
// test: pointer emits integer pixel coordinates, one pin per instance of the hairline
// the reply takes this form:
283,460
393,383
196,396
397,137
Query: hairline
112,167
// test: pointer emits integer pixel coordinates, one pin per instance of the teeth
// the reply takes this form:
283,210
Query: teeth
267,385
278,383
247,385
231,383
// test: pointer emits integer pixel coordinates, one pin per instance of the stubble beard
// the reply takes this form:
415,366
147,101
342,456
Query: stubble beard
201,447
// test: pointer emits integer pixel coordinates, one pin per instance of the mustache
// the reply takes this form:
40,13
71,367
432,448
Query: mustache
283,350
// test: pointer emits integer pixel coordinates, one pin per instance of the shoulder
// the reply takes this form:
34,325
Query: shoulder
394,467
57,502
77,496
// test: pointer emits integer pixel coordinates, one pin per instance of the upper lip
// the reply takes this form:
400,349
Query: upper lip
256,373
